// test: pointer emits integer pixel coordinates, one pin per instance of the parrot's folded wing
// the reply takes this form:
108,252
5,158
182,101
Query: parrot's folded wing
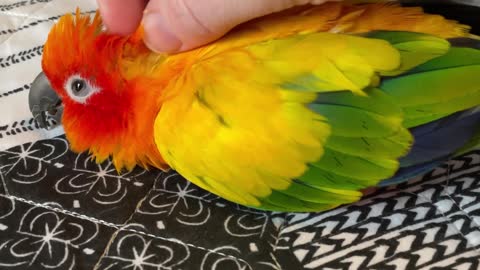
293,124
445,85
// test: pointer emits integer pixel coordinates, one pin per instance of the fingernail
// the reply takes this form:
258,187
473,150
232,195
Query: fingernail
157,37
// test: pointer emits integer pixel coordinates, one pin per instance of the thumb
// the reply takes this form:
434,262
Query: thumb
179,25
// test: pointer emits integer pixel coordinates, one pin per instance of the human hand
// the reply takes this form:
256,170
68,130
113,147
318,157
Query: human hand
179,25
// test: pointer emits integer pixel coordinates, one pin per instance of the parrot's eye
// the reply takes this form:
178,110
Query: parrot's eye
78,85
79,89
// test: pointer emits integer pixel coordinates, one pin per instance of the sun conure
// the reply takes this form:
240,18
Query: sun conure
295,111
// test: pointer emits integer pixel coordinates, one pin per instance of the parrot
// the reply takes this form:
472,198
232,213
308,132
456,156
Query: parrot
297,111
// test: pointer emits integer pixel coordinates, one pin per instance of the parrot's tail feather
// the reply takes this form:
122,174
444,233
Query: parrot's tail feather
438,141
443,137
473,144
407,173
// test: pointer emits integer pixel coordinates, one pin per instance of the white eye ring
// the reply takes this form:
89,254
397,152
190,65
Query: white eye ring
79,88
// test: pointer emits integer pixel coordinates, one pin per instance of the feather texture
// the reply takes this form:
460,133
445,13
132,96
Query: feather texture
296,111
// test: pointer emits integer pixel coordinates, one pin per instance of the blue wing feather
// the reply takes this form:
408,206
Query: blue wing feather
436,142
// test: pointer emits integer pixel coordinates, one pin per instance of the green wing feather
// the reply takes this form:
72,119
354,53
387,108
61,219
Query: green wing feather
369,133
444,85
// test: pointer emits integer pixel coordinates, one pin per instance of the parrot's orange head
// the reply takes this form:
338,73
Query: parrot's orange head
104,111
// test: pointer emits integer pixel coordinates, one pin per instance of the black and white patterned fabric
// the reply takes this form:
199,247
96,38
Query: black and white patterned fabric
59,210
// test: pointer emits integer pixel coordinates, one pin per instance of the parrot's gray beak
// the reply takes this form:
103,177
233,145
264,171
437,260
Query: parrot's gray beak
45,105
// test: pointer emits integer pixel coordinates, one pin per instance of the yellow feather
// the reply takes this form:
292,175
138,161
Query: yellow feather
230,122
241,129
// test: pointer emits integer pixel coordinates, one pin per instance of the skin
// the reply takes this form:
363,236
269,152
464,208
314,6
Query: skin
178,25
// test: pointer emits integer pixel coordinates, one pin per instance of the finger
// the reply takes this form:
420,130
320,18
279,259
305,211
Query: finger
121,17
178,25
